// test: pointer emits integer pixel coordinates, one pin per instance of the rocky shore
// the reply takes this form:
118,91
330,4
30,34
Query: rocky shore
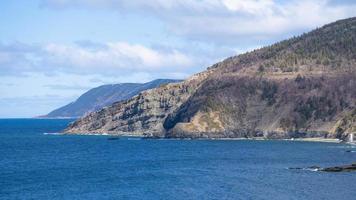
342,168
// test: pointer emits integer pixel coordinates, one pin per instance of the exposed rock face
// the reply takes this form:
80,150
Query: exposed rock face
343,168
105,95
266,107
143,114
302,87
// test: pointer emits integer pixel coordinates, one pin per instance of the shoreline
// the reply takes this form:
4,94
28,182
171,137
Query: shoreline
316,139
103,134
326,140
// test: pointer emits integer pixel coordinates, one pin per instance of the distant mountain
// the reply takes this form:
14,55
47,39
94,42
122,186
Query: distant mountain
102,96
301,87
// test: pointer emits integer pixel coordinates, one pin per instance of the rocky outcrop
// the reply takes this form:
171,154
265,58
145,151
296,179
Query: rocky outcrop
143,114
343,168
105,95
302,87
266,107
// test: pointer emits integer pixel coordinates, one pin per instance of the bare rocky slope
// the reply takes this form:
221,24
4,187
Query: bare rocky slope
105,95
143,114
301,87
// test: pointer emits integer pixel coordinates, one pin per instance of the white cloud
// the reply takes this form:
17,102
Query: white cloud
254,7
117,56
193,6
227,21
68,70
113,59
265,20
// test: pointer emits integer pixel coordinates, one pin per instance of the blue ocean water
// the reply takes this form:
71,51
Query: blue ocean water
38,166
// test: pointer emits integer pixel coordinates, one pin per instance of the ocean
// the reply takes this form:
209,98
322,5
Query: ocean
36,165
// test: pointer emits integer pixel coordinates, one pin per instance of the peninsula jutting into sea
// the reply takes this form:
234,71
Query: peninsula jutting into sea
178,99
303,87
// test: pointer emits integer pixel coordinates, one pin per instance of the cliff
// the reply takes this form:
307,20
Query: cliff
105,95
301,87
143,114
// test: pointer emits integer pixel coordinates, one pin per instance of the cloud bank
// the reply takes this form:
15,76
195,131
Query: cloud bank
225,21
17,59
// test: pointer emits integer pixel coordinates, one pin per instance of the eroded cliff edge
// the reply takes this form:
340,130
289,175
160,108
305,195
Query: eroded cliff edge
143,114
301,87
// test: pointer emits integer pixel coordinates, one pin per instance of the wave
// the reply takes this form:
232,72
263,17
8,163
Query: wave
312,169
52,133
134,138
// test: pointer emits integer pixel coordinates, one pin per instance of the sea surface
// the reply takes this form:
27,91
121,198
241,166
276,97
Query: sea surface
36,165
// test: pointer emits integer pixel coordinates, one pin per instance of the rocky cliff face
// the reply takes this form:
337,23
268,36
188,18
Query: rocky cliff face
302,87
105,95
143,114
243,106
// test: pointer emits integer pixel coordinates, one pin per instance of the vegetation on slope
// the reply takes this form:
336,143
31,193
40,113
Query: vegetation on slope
302,87
298,86
331,47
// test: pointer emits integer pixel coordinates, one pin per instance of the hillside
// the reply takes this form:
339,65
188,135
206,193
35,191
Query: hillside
301,87
105,95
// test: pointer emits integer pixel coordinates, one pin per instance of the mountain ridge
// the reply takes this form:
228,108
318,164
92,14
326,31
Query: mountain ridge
101,96
304,87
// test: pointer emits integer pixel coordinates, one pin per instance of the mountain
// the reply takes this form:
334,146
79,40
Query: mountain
105,95
301,87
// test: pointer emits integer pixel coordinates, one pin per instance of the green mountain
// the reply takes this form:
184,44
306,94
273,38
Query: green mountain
301,87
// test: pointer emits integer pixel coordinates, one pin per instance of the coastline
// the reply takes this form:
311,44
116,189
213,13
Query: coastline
104,134
326,140
315,139
43,117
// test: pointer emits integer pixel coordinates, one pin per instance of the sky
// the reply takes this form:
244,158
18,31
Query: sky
52,51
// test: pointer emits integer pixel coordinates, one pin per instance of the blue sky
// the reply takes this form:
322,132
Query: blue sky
51,51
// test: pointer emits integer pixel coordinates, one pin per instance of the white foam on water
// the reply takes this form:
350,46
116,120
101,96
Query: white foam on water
311,169
134,138
52,133
305,169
